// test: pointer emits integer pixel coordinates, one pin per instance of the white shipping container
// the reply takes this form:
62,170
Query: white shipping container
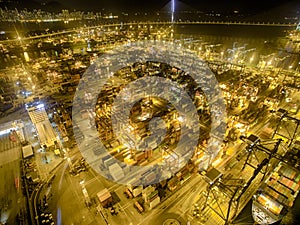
137,191
116,171
155,202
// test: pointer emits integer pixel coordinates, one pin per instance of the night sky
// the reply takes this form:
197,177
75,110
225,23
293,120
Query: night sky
157,5
221,5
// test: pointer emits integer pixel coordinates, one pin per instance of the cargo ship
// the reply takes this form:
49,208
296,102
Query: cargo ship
276,195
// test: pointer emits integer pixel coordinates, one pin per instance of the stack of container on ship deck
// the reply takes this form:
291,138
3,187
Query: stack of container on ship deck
280,190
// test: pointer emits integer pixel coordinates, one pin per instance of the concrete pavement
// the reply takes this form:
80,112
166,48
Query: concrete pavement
11,198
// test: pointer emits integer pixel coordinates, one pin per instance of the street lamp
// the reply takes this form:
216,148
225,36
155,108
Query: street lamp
180,119
81,182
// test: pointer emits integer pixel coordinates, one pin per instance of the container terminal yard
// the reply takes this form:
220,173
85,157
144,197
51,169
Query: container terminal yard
53,170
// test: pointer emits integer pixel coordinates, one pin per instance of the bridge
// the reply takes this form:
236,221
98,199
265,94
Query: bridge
218,23
158,23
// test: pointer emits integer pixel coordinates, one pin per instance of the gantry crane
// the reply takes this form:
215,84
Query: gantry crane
287,128
238,190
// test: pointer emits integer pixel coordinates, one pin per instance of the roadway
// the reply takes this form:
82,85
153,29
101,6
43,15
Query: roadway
67,196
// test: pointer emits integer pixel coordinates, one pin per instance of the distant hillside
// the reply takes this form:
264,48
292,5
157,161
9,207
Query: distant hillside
52,6
224,6
179,6
289,11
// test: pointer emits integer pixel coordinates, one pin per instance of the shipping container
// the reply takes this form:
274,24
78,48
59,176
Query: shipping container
154,202
138,206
